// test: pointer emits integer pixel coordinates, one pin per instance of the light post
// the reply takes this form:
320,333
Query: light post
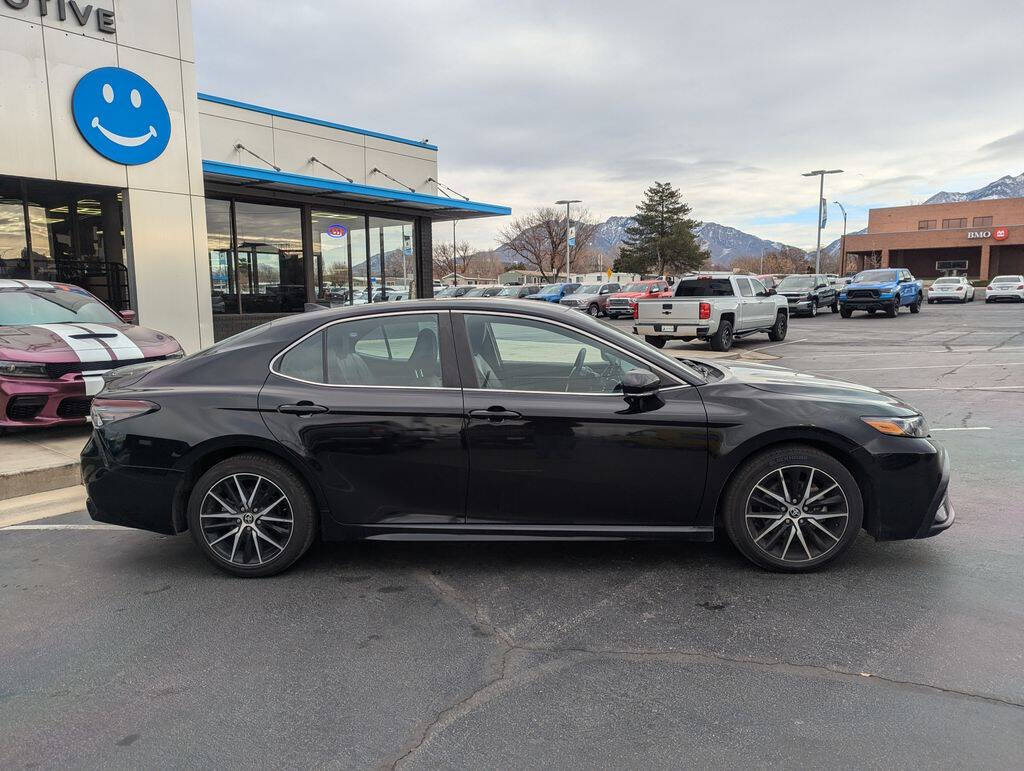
455,255
567,203
842,243
820,173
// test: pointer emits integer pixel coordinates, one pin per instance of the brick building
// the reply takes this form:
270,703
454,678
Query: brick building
978,239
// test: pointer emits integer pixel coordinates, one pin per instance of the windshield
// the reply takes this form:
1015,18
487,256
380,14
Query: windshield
636,288
448,291
476,292
704,287
52,306
550,289
589,289
509,291
875,277
796,282
947,281
1005,279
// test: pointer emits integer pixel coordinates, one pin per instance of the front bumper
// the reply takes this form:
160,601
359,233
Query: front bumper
867,304
800,306
908,489
29,401
129,496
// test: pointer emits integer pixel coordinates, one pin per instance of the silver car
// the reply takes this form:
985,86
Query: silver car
590,298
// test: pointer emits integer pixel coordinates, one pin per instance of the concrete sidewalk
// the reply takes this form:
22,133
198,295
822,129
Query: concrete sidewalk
40,460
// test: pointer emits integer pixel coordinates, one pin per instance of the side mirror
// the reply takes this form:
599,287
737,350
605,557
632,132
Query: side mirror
772,292
638,383
128,317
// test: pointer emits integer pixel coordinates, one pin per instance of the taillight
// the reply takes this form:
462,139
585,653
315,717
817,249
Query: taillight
1020,286
705,311
636,310
105,411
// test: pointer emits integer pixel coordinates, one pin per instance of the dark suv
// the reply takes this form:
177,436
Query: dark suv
807,292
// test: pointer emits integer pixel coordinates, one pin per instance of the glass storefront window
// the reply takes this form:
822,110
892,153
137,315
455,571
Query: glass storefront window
339,252
392,254
271,277
224,298
13,260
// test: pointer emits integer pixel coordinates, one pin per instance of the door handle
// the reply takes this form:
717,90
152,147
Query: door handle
302,408
495,414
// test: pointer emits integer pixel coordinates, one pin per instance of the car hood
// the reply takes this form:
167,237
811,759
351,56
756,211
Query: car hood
50,343
627,294
887,285
767,377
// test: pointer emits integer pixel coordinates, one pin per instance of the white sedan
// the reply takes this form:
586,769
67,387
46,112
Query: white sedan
954,288
1005,288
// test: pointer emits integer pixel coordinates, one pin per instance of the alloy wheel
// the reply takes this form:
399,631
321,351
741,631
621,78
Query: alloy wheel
246,519
797,514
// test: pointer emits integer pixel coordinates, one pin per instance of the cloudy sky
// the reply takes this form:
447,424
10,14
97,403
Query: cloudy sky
730,101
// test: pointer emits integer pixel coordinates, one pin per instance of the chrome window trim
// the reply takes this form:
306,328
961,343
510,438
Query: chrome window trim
584,332
323,327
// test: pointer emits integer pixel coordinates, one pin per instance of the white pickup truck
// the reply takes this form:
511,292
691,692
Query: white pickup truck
718,307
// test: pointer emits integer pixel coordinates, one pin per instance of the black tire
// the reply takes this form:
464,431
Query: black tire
915,307
740,496
299,502
872,311
834,307
845,312
722,339
930,301
893,308
778,331
594,310
657,342
814,308
988,300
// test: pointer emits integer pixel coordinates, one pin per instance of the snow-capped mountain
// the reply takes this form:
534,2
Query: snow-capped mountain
724,243
832,250
1004,187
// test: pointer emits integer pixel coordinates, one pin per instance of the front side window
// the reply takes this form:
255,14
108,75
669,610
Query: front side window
744,287
399,350
512,354
759,290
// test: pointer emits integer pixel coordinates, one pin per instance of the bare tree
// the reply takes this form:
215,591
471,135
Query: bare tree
449,260
538,240
788,259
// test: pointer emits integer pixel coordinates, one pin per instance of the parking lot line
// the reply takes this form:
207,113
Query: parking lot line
927,366
954,388
776,345
62,527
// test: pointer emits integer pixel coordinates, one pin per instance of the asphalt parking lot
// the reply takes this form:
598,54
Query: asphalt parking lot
127,649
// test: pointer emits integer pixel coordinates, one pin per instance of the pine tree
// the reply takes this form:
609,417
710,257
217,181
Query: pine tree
661,241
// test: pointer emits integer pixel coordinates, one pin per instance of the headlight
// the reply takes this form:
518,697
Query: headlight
915,426
22,369
104,411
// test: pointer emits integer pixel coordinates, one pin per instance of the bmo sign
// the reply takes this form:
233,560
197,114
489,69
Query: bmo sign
999,234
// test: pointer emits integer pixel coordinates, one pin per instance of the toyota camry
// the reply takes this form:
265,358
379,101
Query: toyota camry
401,421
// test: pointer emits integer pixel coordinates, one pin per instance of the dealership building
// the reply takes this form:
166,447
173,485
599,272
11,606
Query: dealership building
978,239
206,215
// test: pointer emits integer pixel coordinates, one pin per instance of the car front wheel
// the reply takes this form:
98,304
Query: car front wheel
778,331
252,515
792,509
594,310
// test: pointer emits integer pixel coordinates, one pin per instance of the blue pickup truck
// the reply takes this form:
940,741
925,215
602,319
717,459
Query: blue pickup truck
883,289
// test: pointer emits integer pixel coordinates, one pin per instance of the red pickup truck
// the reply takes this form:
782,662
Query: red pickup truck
621,304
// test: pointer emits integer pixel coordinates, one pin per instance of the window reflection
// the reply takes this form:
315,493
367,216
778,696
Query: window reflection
392,254
271,277
339,252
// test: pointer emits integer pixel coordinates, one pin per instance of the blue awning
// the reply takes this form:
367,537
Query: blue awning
436,207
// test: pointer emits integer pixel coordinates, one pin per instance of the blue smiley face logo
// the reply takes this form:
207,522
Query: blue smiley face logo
121,116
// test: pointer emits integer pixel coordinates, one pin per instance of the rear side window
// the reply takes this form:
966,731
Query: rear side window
704,287
306,360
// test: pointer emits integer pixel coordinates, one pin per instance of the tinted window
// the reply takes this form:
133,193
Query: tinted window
704,287
1004,279
306,360
525,355
400,350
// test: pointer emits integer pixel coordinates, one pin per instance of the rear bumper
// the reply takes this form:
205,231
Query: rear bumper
40,402
671,330
1004,294
127,495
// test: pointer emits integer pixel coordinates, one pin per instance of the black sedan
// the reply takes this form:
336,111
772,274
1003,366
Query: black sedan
483,419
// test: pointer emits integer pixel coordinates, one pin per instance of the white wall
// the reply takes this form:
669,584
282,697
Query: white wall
41,61
290,144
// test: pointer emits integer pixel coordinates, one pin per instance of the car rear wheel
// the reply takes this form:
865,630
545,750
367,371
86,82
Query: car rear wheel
657,342
722,339
251,515
792,509
778,331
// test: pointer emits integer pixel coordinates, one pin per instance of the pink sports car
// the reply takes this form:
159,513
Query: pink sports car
56,342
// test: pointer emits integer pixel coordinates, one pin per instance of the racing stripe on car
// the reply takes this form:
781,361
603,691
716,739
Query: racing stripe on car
93,384
122,346
86,350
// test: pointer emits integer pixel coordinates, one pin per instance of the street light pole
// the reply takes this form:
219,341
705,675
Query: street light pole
567,225
455,255
820,173
842,243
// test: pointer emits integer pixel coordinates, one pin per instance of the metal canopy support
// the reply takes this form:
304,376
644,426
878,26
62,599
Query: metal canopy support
424,264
